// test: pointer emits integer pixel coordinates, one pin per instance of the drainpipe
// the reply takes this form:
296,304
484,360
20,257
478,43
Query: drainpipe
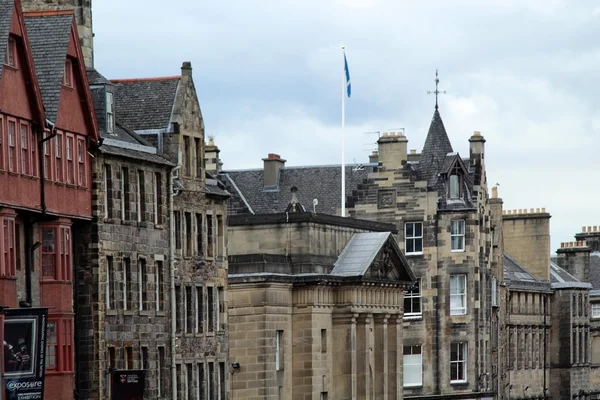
50,125
172,282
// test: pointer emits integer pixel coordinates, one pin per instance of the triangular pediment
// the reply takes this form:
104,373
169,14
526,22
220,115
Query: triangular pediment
454,162
373,255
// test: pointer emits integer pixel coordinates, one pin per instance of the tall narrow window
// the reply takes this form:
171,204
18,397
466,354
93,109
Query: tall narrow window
160,373
12,146
65,254
414,237
49,254
33,154
67,345
51,345
58,153
127,285
595,310
144,360
454,187
278,350
458,294
457,235
413,366
142,292
47,155
187,156
10,57
189,244
189,377
494,292
210,246
177,215
159,285
199,309
211,310
178,382
220,236
157,198
24,150
178,309
129,358
323,340
7,266
222,377
412,301
108,192
110,279
110,113
68,73
112,357
201,394
125,211
220,308
458,362
212,386
199,236
141,196
199,157
189,310
81,181
70,166
2,143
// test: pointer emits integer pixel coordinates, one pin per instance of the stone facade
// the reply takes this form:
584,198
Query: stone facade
299,329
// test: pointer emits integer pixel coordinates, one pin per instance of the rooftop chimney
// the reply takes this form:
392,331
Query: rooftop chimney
574,257
211,158
186,68
527,239
591,235
374,157
392,150
272,164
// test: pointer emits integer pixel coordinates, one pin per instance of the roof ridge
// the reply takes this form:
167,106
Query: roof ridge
133,80
47,13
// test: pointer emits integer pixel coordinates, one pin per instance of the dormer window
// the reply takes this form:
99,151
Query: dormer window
10,57
110,113
68,73
454,183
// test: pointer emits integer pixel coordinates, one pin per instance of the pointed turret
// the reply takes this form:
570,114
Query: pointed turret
437,146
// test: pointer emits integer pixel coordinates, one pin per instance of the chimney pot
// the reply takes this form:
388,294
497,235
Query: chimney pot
413,151
273,156
186,68
543,210
589,228
595,228
495,192
476,133
583,229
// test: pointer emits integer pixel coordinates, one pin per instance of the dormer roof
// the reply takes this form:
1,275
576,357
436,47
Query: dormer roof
437,146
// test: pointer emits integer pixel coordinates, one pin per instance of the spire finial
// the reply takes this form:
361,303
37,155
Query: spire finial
436,91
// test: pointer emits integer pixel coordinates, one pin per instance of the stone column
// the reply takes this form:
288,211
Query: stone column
385,357
399,363
369,344
353,354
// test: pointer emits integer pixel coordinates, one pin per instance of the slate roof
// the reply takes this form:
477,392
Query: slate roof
514,272
144,104
49,38
594,276
6,12
561,279
313,182
359,253
437,146
96,78
517,276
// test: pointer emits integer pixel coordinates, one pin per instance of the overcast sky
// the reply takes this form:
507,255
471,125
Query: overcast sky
268,76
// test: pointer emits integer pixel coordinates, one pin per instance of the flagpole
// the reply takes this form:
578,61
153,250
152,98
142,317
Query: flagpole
343,123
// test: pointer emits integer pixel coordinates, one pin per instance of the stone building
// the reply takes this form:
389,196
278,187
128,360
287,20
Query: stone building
125,283
170,119
47,130
315,306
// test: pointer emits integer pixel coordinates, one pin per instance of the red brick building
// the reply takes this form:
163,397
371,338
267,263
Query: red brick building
47,127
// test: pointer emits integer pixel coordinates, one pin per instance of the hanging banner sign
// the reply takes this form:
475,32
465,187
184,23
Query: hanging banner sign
24,353
128,384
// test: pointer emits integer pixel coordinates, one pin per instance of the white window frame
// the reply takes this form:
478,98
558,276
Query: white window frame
494,292
108,282
595,310
454,186
125,287
414,238
462,352
278,349
155,199
457,232
140,286
460,294
410,361
411,295
138,197
106,194
110,116
158,281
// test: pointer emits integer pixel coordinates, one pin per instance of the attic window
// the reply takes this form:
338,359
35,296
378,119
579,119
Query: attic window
454,183
110,113
68,73
10,57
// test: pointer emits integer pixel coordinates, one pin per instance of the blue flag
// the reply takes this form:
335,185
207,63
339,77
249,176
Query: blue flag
348,84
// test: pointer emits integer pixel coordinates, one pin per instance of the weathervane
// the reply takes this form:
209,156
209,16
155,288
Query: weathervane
436,91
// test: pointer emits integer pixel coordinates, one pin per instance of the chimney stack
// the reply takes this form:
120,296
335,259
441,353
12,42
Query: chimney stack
392,150
186,68
591,235
574,257
272,164
527,239
374,157
211,158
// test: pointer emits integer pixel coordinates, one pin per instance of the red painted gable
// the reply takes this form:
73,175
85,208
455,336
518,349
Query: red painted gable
20,91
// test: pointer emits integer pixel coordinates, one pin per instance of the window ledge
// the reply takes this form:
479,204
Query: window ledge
160,313
412,317
419,253
459,383
462,314
457,251
146,313
111,312
8,278
128,312
410,387
55,281
13,173
54,373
